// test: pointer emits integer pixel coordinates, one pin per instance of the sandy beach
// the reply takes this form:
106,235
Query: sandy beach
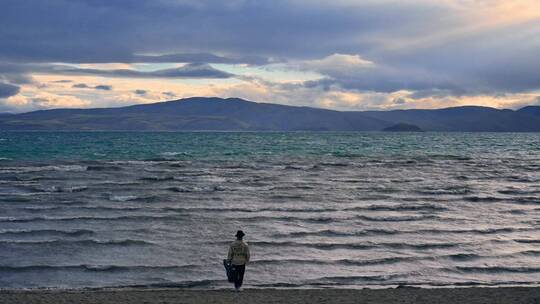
508,295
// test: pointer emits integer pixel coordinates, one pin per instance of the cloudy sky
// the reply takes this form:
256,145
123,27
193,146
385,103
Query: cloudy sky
340,54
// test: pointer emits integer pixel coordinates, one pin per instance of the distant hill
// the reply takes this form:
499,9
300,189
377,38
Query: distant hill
195,113
234,114
463,119
403,127
531,110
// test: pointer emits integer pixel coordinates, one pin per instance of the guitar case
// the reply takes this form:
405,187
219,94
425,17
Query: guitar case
228,271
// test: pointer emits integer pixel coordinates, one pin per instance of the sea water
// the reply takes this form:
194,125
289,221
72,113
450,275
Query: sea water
91,209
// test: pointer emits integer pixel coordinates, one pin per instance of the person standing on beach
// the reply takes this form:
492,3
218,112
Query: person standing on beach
238,256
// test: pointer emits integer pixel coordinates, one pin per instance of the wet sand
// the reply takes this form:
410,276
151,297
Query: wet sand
507,295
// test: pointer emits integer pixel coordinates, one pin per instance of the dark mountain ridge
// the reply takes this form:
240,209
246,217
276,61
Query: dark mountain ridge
234,114
531,110
463,119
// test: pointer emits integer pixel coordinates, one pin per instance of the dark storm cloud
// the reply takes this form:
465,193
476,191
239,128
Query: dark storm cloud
14,73
191,70
386,80
103,87
81,86
399,101
17,78
200,58
169,94
488,61
97,87
117,30
428,78
8,90
492,61
324,83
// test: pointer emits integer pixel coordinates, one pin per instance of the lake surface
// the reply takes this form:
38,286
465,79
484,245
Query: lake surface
319,209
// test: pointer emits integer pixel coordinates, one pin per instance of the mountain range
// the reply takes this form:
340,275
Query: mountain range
234,114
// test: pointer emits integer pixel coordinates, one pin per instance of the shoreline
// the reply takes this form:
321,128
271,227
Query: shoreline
276,286
472,295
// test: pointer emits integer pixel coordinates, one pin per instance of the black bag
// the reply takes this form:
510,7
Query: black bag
229,270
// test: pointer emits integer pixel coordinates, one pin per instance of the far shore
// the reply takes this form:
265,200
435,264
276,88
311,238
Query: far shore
473,295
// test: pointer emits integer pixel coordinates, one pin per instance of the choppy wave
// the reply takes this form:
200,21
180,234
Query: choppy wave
344,280
382,232
93,268
528,241
68,189
400,207
335,233
103,168
32,169
125,198
487,199
498,269
445,191
531,252
90,218
212,188
87,242
367,262
313,220
157,178
358,246
47,232
404,218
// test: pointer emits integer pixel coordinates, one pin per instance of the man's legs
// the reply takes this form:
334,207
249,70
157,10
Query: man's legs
239,275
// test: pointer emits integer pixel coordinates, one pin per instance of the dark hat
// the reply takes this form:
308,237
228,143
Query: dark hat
240,233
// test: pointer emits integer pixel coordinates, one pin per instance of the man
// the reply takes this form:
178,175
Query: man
239,257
